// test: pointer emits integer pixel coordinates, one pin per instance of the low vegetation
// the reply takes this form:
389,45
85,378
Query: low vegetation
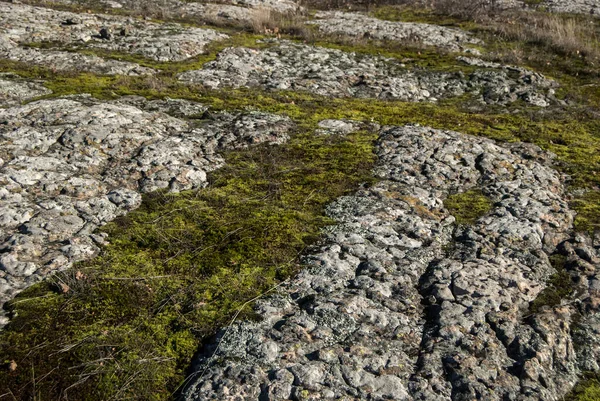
468,207
559,286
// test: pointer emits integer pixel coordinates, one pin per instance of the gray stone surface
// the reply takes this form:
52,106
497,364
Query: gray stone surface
162,42
362,26
68,61
330,72
70,165
14,91
591,7
402,304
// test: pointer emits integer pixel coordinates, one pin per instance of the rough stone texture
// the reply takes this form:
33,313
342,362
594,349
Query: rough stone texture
13,91
360,25
402,304
330,72
68,61
70,165
161,42
241,11
573,6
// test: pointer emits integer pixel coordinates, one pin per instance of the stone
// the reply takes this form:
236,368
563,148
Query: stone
14,91
360,25
329,72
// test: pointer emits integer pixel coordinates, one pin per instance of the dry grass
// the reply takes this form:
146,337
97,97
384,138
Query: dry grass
266,21
563,35
566,35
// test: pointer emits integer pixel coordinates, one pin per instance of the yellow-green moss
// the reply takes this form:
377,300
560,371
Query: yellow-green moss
468,206
588,212
588,389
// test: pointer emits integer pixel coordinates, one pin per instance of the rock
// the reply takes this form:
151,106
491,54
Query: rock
71,165
360,25
68,61
160,42
105,34
374,316
330,72
15,91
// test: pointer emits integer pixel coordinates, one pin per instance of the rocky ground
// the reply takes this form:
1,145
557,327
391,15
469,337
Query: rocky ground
401,304
403,297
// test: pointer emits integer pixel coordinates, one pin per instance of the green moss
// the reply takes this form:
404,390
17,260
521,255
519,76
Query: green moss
468,206
559,286
588,388
176,269
588,212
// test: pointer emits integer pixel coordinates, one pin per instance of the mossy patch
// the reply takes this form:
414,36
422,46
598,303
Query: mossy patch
468,207
126,324
558,287
588,212
588,388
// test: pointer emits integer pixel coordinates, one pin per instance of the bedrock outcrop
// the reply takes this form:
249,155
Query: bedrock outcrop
70,165
402,303
363,26
25,25
330,72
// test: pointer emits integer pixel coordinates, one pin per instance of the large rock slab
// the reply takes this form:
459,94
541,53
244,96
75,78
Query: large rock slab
161,42
401,303
69,61
331,72
70,165
362,26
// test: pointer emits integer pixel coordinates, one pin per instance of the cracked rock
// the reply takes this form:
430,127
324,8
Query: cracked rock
360,25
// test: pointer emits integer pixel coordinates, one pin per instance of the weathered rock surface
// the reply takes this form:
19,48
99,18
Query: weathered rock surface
70,165
241,11
572,6
331,72
160,42
69,61
360,25
14,91
402,304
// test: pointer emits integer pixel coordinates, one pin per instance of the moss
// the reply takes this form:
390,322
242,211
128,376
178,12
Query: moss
588,212
468,207
559,286
588,388
127,323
